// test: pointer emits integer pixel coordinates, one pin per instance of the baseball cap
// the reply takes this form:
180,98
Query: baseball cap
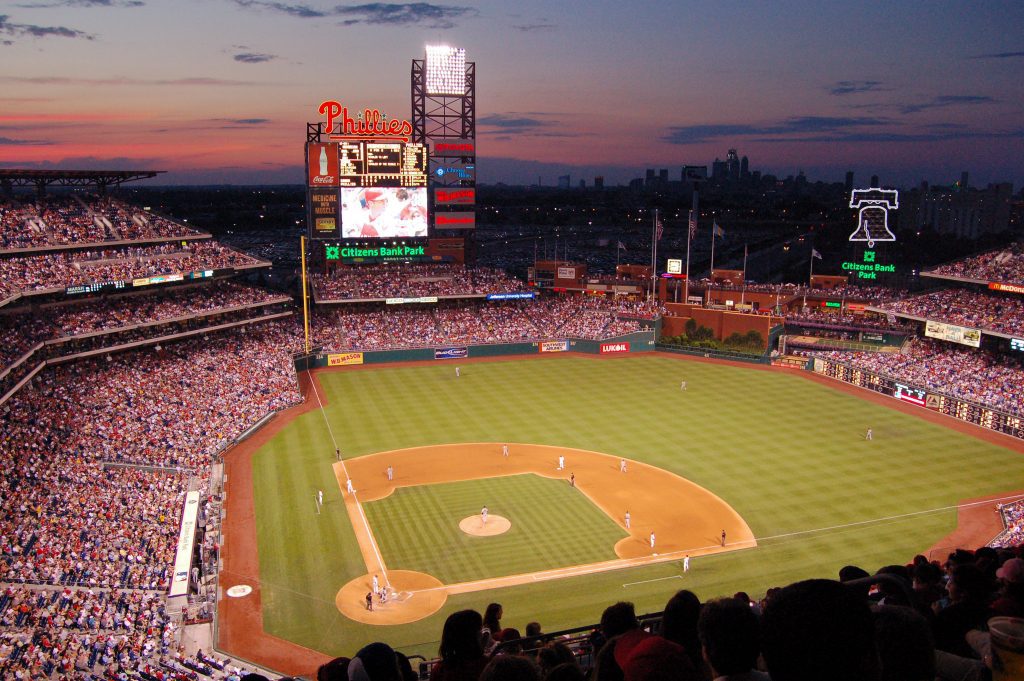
1012,570
373,194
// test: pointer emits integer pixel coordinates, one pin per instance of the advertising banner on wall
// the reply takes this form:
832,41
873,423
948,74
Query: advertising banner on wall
566,273
953,333
608,348
454,170
322,165
554,346
451,353
344,359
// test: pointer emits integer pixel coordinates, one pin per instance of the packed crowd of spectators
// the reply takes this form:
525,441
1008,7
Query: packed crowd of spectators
461,323
921,621
849,320
78,219
1006,265
64,269
1003,314
86,541
397,280
967,374
1013,521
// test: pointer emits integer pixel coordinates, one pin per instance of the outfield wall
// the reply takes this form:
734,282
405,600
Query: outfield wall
641,341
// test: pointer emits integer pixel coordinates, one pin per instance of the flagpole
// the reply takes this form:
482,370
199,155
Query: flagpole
711,273
809,277
654,254
743,293
691,221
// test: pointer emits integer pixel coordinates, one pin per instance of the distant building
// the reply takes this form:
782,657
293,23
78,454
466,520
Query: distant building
719,170
958,211
599,182
744,168
848,184
564,181
732,162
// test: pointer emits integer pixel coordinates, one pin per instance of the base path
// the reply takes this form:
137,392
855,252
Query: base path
685,517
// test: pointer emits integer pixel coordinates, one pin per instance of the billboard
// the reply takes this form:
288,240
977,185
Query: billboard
554,346
607,348
451,353
366,163
383,212
323,212
454,148
454,170
449,220
953,333
455,196
322,165
344,359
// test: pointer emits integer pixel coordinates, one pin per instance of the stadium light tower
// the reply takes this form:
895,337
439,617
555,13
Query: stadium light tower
446,70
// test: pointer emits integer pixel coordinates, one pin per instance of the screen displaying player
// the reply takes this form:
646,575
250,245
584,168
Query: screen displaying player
383,212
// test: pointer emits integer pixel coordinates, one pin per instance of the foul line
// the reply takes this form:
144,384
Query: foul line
355,498
648,581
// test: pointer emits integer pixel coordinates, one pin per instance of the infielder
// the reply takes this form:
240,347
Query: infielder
652,539
376,585
504,451
561,462
391,473
627,519
622,465
348,485
483,515
686,563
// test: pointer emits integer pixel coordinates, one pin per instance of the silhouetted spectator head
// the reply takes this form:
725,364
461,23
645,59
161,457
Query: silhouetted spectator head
618,619
335,670
460,638
565,672
819,629
679,622
904,640
729,636
1012,571
653,658
894,594
511,641
492,617
253,676
554,654
375,662
532,629
967,583
510,668
852,572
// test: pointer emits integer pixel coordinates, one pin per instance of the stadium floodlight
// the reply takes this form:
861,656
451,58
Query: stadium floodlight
446,70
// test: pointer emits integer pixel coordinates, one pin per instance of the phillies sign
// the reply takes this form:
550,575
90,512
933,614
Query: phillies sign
368,123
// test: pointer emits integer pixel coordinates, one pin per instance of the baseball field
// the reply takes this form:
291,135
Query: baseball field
777,460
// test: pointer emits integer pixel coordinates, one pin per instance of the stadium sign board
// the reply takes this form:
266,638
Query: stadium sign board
554,346
344,359
1009,288
869,268
451,353
953,333
608,348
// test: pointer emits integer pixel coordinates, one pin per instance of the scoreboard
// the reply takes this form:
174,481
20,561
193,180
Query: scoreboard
382,164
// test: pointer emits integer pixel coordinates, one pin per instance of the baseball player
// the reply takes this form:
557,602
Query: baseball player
376,585
483,515
628,517
682,386
686,563
458,372
320,497
622,465
572,479
348,485
504,451
391,472
723,537
652,540
561,462
869,435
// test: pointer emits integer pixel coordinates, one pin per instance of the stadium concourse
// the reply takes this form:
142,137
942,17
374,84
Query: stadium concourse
118,398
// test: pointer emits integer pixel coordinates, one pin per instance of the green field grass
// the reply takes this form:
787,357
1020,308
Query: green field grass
787,453
417,528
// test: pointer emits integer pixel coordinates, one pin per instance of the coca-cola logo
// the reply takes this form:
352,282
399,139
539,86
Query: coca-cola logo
324,179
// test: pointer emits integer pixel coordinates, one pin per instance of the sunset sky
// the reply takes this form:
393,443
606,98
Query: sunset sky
220,90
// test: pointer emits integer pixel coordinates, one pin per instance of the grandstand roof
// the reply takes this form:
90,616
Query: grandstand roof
23,177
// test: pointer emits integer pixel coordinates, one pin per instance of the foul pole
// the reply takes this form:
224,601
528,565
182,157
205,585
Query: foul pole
305,293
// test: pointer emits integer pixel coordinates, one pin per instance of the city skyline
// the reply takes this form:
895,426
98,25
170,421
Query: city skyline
219,92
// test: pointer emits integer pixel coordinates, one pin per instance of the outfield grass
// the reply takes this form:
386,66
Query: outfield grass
788,454
417,528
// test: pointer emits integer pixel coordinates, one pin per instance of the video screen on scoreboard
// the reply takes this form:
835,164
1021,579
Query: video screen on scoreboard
383,212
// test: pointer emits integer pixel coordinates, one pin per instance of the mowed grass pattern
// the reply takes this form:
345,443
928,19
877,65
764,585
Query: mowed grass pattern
417,528
787,453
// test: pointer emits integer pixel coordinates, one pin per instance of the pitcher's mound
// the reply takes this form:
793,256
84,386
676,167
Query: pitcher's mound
474,525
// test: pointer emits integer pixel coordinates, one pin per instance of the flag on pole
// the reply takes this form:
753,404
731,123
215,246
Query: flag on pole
693,224
622,246
659,229
716,230
815,254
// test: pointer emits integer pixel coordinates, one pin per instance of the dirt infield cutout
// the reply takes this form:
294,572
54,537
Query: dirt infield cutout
474,525
686,518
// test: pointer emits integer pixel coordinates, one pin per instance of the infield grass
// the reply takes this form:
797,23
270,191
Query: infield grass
787,453
417,528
